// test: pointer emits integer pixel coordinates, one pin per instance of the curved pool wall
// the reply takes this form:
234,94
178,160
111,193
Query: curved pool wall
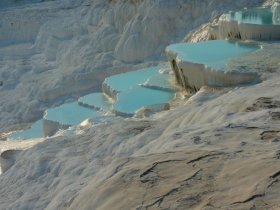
132,100
249,24
205,63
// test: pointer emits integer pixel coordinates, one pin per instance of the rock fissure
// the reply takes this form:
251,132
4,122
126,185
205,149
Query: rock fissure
205,156
253,197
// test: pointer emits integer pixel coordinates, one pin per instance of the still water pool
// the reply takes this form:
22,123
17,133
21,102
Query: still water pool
130,101
259,16
214,54
70,114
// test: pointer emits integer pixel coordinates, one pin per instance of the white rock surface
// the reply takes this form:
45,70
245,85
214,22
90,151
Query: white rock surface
7,159
276,12
95,169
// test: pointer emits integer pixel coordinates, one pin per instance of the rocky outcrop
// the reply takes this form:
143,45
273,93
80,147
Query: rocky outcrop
7,159
51,127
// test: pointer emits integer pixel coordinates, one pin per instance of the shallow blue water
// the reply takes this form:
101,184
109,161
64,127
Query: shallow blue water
36,131
70,114
131,98
212,53
122,82
134,99
160,81
257,16
96,100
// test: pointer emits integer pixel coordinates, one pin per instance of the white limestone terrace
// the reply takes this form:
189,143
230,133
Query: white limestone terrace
61,117
149,90
261,23
179,159
52,52
146,89
132,96
205,63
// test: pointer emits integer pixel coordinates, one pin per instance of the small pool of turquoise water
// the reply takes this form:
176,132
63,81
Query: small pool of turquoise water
70,114
36,131
97,101
212,53
161,82
259,16
130,101
125,81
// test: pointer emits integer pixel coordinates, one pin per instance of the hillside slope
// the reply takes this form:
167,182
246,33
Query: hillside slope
54,51
218,150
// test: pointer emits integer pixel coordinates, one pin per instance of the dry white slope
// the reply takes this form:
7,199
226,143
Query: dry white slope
219,150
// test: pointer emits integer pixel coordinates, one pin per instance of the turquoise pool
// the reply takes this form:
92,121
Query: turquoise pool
97,101
132,96
36,131
160,81
130,101
214,54
259,16
70,114
125,81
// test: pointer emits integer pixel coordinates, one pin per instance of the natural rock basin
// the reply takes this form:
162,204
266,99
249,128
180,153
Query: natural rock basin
259,16
66,115
132,100
205,63
160,82
97,101
36,131
255,24
214,54
122,82
146,89
70,114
